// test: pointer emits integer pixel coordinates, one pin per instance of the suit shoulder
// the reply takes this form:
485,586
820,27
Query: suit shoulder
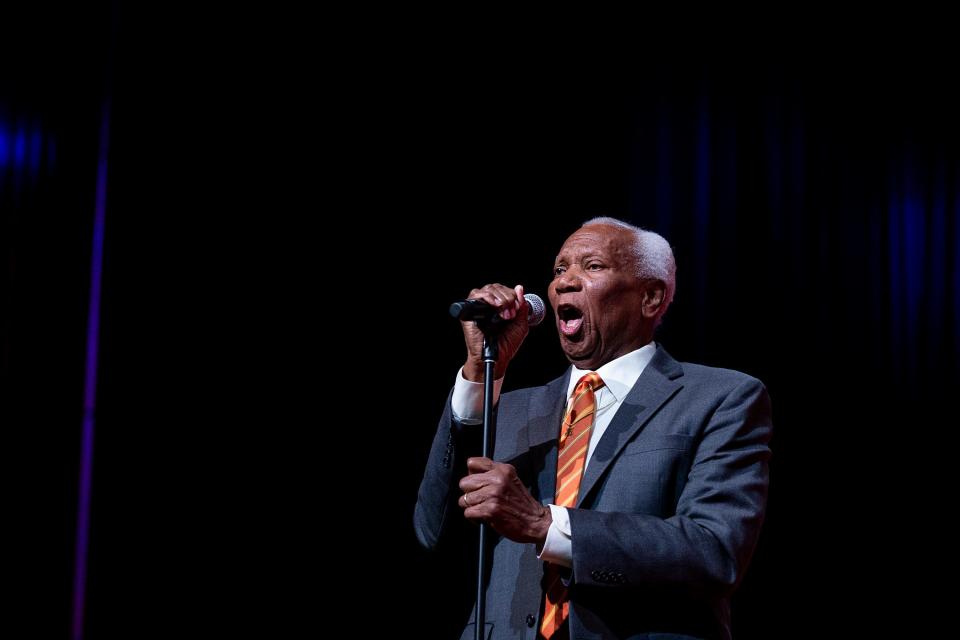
716,388
524,394
717,376
538,393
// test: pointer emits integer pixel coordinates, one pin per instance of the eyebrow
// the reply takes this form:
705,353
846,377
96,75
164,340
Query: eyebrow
586,256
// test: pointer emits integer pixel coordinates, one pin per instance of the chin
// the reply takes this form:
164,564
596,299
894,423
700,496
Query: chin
579,356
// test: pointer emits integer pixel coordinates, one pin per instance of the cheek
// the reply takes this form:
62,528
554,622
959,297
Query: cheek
552,298
605,299
612,307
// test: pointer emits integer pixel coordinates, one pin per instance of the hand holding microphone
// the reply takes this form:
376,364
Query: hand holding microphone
481,311
496,304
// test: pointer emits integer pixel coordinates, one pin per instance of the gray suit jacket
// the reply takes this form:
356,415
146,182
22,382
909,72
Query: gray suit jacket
668,512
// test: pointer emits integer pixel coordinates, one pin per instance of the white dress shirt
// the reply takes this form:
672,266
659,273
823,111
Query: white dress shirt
618,376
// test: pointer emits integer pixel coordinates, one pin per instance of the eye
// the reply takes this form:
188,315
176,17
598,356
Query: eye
594,266
559,270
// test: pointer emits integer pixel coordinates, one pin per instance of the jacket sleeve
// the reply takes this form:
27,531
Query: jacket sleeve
707,543
437,507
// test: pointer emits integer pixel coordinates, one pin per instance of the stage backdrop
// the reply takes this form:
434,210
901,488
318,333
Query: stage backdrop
284,236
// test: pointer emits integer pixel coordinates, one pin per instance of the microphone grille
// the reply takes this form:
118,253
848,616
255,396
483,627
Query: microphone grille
537,309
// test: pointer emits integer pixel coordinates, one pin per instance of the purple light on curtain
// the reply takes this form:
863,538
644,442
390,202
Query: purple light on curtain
955,294
90,382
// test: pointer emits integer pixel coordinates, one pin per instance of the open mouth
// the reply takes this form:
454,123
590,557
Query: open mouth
571,319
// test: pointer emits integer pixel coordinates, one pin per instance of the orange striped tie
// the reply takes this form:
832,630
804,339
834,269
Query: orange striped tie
572,457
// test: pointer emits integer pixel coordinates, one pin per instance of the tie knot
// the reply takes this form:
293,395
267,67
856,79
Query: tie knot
592,380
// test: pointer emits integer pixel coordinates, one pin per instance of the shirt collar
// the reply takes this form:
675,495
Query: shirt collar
620,374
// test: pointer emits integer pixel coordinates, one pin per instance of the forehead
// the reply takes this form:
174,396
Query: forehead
601,239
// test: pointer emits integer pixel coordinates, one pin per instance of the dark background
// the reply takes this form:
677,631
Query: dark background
288,220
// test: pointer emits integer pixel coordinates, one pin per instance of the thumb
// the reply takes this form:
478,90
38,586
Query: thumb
521,301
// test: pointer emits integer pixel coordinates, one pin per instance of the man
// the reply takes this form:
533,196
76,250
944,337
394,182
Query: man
626,502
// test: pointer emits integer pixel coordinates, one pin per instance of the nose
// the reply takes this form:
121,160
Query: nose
567,281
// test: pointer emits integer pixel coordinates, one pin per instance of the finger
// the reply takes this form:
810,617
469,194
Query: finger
496,295
476,514
521,304
476,508
479,465
471,499
473,482
510,302
518,290
507,294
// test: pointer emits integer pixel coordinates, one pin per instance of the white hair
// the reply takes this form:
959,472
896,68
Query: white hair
652,256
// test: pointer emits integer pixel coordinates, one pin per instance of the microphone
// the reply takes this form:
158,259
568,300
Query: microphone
483,312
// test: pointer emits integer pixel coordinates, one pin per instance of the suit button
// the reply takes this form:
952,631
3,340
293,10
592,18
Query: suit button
531,620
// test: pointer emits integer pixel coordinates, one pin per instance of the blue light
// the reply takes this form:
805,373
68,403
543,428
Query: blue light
4,147
25,151
19,148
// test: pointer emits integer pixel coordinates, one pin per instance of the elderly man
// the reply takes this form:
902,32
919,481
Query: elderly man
627,495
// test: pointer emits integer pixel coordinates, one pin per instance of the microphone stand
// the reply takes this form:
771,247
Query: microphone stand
490,353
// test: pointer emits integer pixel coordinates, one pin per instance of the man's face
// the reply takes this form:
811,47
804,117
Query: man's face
596,296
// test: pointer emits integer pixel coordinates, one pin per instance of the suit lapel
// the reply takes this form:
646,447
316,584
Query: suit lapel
655,386
545,414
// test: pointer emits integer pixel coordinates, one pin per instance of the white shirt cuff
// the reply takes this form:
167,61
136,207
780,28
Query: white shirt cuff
467,400
558,547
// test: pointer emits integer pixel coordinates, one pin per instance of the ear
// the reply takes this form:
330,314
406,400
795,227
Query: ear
653,296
